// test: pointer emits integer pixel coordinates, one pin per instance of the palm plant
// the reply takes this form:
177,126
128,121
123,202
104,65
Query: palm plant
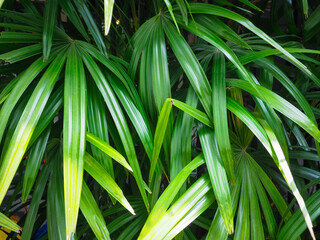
216,132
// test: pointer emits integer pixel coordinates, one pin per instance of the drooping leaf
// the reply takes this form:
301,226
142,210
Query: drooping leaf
119,119
191,66
286,172
105,180
92,213
296,224
8,223
27,123
223,12
281,105
106,148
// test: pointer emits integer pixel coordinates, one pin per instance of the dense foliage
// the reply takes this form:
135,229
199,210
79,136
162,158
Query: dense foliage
186,120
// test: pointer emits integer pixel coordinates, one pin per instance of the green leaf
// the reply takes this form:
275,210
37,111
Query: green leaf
49,23
223,12
243,218
159,135
217,175
169,194
217,26
169,6
305,8
272,190
296,224
106,148
203,204
18,89
136,113
311,26
106,181
193,112
217,228
108,9
119,120
160,76
132,229
21,53
247,118
188,207
30,7
248,3
281,105
92,213
183,9
97,125
220,117
35,202
140,40
56,222
176,212
71,12
145,83
34,160
8,223
257,231
74,143
8,88
191,66
53,106
92,26
286,172
266,208
27,123
20,37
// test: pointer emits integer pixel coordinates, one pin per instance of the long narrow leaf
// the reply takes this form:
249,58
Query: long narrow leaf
108,9
159,135
74,144
220,117
33,164
105,180
74,17
219,11
56,222
119,120
191,66
35,202
296,224
49,23
285,170
105,147
27,123
281,105
169,194
8,223
193,112
92,213
217,175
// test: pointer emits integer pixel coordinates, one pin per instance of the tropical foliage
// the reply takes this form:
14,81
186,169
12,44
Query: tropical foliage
160,119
